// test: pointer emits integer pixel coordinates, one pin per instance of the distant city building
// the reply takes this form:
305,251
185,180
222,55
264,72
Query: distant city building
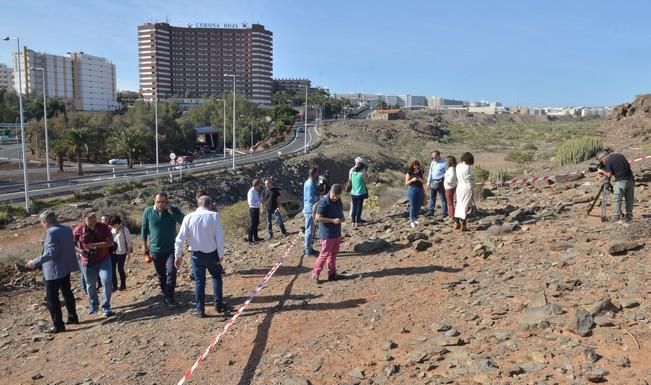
393,114
6,78
411,101
488,110
86,80
93,83
58,74
293,85
437,103
193,61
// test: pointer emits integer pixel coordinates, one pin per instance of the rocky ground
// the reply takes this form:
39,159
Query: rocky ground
537,292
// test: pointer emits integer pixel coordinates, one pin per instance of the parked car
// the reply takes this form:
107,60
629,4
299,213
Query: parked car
118,162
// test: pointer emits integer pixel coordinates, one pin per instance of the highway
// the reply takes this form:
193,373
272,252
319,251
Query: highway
15,192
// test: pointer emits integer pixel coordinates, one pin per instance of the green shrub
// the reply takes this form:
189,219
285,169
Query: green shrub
235,219
520,157
498,175
577,150
480,173
529,147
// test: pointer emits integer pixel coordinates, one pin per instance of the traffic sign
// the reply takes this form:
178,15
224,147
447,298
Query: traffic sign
172,155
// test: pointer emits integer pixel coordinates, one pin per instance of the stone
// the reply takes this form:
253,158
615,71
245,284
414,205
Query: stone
538,317
413,237
422,245
440,327
615,248
318,364
389,345
603,307
580,323
372,246
37,376
447,341
622,362
452,333
629,303
357,373
604,321
597,375
538,357
295,381
592,355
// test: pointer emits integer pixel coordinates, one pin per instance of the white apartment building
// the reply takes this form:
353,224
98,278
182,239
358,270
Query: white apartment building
6,78
86,80
58,74
94,83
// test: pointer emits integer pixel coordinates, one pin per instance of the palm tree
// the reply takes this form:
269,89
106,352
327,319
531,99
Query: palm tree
128,142
76,141
60,150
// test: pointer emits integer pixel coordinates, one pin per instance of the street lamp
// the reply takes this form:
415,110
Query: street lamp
156,122
233,76
305,130
22,124
47,145
224,101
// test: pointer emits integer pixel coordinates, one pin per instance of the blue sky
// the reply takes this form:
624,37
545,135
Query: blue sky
549,52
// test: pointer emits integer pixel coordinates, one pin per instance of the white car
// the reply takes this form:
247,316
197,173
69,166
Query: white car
118,162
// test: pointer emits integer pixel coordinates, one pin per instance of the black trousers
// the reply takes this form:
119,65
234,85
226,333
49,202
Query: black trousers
52,289
117,261
254,214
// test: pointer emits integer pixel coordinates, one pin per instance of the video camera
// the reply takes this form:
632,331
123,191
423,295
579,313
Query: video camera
594,167
324,183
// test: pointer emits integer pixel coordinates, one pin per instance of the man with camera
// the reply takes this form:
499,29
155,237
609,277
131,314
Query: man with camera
616,165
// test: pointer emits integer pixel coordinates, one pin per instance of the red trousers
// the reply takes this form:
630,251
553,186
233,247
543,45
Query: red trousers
329,251
449,196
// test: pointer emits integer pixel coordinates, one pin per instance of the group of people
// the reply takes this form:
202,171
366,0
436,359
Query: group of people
266,197
99,249
450,181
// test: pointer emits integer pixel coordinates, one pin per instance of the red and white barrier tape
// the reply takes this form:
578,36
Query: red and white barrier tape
533,179
239,312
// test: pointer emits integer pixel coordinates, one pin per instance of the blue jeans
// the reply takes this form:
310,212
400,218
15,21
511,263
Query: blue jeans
309,232
201,262
432,200
279,221
105,271
166,271
623,189
358,205
415,196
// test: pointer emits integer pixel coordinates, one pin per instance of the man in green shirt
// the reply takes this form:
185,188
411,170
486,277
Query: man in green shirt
158,233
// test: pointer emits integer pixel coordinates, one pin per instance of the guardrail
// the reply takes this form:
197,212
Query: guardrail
61,186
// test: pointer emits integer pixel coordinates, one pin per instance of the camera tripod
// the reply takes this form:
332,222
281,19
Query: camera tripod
605,188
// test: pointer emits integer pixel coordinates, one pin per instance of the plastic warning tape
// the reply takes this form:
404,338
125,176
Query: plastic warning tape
239,312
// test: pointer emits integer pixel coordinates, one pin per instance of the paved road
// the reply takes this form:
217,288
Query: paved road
15,192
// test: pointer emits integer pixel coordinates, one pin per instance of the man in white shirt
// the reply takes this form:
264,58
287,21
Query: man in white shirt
435,184
202,229
253,197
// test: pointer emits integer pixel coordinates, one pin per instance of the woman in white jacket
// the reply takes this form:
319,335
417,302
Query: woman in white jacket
123,247
450,183
464,191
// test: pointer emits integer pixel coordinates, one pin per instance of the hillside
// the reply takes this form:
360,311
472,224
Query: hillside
537,292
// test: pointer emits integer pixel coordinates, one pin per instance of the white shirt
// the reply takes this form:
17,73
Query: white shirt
450,180
122,238
253,197
202,229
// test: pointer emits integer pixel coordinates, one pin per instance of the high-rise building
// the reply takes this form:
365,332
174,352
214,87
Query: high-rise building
193,61
293,85
58,74
86,80
6,78
93,82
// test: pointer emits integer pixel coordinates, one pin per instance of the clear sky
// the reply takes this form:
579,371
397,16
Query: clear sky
544,52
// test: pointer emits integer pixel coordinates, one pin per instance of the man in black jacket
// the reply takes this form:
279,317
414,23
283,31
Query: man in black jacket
270,196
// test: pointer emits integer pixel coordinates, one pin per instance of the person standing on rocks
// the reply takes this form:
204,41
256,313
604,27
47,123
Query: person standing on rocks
435,184
358,161
310,197
463,193
123,247
450,183
415,193
617,165
330,216
270,196
94,240
358,190
203,231
253,198
58,261
158,232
